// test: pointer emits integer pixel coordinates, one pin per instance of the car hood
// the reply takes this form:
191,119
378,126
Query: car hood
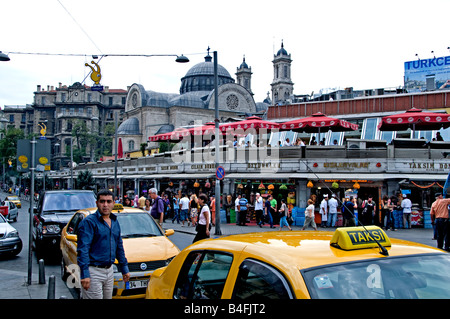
6,228
149,248
60,218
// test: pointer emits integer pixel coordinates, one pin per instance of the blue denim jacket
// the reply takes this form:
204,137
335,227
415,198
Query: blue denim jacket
99,245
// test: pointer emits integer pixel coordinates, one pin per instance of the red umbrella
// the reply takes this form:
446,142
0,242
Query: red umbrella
120,149
252,122
175,135
414,119
178,134
317,122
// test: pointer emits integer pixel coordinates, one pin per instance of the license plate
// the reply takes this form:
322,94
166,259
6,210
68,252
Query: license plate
138,284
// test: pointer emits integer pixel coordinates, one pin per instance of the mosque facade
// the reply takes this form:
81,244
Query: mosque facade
149,113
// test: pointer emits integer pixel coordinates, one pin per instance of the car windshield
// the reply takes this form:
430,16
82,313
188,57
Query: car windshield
68,201
12,198
2,219
410,277
137,225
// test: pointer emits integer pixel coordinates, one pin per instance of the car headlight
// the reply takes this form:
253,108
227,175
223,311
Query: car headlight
169,260
51,229
12,234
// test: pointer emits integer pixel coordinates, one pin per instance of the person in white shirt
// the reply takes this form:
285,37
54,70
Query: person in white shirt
237,208
184,209
324,210
309,216
406,205
332,211
259,206
204,219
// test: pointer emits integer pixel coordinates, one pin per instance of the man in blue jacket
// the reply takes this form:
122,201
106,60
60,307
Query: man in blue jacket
99,244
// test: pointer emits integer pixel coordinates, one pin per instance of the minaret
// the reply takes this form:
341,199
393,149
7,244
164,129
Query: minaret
244,76
282,86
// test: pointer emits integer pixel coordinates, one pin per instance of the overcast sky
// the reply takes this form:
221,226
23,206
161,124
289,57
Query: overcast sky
333,44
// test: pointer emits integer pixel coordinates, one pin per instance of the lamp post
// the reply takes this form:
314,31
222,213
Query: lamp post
217,159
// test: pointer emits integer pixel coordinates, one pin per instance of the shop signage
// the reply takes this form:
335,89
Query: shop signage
201,167
346,165
169,168
429,166
264,165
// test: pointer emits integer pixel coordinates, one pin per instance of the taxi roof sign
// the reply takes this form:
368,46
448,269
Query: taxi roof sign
118,206
353,238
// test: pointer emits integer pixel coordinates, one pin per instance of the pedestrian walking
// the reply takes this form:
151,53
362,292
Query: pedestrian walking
406,205
184,209
237,208
368,213
284,214
324,210
204,219
439,217
212,208
158,209
193,209
243,208
309,216
176,209
99,245
268,211
147,206
348,210
332,211
259,205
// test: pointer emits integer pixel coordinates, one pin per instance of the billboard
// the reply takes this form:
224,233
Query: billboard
427,74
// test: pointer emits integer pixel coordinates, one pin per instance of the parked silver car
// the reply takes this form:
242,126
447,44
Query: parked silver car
13,211
10,242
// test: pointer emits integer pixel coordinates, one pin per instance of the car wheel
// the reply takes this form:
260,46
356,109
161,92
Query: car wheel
18,250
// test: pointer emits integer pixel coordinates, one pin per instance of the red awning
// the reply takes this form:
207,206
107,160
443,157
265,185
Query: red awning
178,134
415,119
317,123
252,122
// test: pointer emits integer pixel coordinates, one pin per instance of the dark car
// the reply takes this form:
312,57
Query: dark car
53,212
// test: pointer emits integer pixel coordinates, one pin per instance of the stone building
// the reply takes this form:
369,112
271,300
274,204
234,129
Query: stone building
58,108
148,113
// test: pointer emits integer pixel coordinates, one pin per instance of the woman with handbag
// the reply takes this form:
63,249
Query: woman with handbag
204,219
193,209
284,214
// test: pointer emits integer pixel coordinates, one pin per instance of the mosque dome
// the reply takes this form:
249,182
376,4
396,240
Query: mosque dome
282,51
129,127
201,77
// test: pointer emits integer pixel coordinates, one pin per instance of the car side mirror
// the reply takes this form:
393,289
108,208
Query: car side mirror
71,237
169,232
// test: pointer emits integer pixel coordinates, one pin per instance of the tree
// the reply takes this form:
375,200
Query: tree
143,148
85,180
8,147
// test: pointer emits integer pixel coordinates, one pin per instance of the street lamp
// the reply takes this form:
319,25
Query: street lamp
217,160
4,57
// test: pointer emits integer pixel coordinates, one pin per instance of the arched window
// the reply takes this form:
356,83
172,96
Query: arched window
131,145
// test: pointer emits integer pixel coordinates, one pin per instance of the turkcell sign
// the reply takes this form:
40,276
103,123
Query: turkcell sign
427,74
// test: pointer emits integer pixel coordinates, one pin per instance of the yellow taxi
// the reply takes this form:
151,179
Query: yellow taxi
15,200
145,243
352,262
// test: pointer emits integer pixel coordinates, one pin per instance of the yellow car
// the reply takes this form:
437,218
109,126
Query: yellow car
352,262
146,248
15,200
